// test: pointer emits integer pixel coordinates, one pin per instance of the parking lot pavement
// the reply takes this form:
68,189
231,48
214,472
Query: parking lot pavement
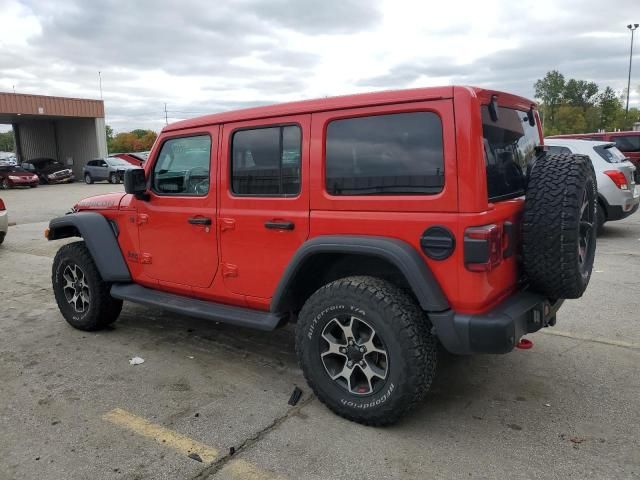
72,407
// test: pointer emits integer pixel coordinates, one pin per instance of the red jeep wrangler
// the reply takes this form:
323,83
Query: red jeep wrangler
380,223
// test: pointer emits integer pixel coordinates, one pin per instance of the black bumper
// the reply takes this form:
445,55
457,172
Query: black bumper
615,212
497,331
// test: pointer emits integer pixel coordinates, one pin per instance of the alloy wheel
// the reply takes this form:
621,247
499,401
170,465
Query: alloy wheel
76,289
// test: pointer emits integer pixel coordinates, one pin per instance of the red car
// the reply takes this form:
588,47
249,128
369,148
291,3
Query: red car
12,176
381,224
627,142
137,158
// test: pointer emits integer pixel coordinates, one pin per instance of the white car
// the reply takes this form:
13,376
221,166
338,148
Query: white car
4,221
618,194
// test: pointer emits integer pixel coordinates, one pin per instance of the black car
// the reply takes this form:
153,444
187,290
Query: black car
49,170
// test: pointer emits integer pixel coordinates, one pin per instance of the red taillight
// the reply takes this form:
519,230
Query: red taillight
483,247
2,207
618,178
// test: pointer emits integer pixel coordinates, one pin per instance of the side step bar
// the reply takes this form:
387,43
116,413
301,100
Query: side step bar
242,317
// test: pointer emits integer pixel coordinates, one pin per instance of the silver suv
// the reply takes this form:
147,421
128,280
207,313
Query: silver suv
111,169
618,194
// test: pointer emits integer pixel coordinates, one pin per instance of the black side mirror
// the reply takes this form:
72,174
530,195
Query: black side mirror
136,183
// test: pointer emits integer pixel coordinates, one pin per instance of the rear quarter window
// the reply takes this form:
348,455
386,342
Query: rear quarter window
385,154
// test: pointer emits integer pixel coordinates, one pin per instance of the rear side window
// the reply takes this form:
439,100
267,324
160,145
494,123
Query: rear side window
266,161
553,149
610,153
385,154
182,167
627,143
509,145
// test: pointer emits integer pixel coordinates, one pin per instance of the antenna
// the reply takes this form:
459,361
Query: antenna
166,118
100,81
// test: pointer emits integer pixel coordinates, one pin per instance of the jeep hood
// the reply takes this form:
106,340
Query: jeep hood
107,201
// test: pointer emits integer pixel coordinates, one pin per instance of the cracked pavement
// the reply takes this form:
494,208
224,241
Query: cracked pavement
568,408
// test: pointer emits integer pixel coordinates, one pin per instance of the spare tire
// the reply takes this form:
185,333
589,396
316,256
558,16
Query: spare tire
559,225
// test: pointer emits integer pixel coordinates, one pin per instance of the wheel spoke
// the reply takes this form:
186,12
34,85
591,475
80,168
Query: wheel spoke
347,329
370,346
334,348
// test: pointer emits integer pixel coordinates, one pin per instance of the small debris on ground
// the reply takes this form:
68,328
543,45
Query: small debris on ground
190,356
197,415
295,396
136,361
547,404
576,440
195,456
232,450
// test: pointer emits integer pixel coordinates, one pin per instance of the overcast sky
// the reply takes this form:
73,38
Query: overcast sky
207,56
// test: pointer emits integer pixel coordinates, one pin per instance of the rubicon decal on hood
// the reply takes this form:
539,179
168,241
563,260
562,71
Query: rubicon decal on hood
107,201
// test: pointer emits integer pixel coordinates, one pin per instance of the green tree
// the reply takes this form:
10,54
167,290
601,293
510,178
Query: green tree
610,109
549,91
580,93
7,143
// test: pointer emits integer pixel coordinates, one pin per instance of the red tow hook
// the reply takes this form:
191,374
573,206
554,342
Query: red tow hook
524,344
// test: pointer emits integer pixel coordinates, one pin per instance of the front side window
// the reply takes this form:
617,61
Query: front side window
627,143
509,146
183,166
266,161
385,154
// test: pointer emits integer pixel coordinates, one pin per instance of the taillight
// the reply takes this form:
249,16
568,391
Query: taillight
618,178
2,207
483,247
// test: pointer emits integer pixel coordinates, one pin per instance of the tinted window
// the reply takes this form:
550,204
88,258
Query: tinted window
182,167
266,161
385,154
509,145
610,153
553,149
628,143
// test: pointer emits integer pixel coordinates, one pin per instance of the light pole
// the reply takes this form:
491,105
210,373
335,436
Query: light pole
633,29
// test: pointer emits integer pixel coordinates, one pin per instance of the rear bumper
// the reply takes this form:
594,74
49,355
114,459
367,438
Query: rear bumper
616,212
496,331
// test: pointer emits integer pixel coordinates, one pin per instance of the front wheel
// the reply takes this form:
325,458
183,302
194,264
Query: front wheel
366,349
113,178
82,296
87,179
5,184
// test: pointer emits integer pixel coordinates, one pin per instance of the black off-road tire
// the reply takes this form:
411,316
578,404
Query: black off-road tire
401,326
2,235
559,214
601,217
101,309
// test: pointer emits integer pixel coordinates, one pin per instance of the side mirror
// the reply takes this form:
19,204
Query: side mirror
135,183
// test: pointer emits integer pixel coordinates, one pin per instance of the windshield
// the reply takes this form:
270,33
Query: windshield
509,145
12,169
117,162
610,153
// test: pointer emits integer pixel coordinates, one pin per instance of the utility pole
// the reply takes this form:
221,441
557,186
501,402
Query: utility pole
100,83
633,29
166,118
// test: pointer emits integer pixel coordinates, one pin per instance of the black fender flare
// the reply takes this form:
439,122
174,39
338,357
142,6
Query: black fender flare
100,239
397,252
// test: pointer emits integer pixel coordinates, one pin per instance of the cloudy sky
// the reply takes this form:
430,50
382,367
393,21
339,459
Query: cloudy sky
207,56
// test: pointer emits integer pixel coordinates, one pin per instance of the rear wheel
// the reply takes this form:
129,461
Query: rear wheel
87,179
366,349
82,296
113,178
559,225
5,184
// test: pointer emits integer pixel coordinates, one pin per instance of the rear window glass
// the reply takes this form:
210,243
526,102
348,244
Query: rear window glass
509,145
627,143
385,154
610,153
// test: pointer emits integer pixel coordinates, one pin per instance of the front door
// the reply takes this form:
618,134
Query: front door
177,231
264,201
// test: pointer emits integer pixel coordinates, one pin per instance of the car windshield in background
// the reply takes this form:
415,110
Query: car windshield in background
509,145
12,168
610,153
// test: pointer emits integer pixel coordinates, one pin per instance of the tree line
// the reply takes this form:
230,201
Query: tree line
137,140
579,106
7,143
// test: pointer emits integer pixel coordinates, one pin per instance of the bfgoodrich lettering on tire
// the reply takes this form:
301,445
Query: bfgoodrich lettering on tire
82,296
559,226
366,349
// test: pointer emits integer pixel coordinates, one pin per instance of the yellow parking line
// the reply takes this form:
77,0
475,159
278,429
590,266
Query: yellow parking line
242,470
163,436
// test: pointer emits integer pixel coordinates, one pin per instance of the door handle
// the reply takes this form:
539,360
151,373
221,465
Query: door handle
200,221
282,225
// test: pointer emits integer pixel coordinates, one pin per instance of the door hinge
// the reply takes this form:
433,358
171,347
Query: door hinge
229,270
142,218
227,224
145,258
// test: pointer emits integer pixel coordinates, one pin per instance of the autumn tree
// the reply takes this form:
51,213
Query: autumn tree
137,140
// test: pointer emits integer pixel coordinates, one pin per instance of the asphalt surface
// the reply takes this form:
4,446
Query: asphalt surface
72,407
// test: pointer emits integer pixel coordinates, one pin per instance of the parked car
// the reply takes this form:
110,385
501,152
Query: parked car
8,161
134,158
627,142
49,170
4,221
380,223
617,177
110,169
17,177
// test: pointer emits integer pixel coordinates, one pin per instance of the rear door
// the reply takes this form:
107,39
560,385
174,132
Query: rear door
264,201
